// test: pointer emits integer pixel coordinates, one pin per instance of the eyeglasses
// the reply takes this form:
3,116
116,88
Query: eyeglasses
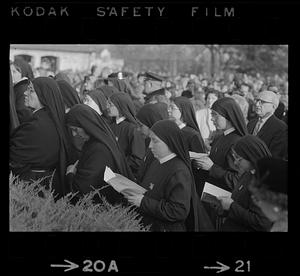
260,101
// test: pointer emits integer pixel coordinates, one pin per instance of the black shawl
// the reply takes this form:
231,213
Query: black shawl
50,97
228,108
94,125
25,67
125,106
121,85
70,95
62,76
170,133
251,148
151,113
187,112
99,98
107,90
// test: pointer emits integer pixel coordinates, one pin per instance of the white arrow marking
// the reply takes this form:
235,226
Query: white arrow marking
221,268
69,266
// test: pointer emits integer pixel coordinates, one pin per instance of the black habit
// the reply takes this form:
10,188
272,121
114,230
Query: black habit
99,151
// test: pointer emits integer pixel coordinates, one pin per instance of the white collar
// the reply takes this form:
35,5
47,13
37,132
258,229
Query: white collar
36,110
167,158
182,125
229,130
120,120
24,78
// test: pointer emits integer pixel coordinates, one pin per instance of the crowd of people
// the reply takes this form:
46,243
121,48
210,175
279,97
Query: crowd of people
144,126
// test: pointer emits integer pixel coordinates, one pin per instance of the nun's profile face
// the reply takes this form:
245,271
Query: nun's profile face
174,111
112,109
158,147
79,132
15,74
31,98
87,100
242,164
218,120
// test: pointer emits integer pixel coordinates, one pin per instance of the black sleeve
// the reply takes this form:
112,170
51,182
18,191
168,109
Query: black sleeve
251,217
229,176
176,204
137,145
197,144
90,169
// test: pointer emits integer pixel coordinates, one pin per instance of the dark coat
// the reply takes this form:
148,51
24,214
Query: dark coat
274,133
243,214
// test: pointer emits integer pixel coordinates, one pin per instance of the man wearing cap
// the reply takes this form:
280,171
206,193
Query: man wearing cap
153,88
267,126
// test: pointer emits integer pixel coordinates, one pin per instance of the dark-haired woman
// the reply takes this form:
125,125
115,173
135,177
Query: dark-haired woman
39,146
171,202
99,150
125,128
242,214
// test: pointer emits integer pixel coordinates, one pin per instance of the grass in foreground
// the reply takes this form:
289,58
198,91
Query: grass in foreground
30,212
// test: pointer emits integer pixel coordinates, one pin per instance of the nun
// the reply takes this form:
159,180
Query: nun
70,95
218,168
147,116
71,98
20,82
125,128
150,114
182,112
99,150
240,212
14,121
170,203
39,147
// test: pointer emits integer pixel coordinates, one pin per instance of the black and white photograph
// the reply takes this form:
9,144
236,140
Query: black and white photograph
127,121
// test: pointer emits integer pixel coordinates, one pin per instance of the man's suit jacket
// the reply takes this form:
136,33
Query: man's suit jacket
274,133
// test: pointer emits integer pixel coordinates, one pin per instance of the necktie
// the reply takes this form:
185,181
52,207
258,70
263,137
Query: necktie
257,127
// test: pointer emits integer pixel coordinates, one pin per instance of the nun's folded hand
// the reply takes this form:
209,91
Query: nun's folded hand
135,199
225,202
205,163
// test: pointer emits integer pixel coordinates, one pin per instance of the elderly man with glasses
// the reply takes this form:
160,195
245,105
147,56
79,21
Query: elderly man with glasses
267,126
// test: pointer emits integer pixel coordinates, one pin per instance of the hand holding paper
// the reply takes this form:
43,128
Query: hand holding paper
135,199
212,193
122,184
197,155
225,202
